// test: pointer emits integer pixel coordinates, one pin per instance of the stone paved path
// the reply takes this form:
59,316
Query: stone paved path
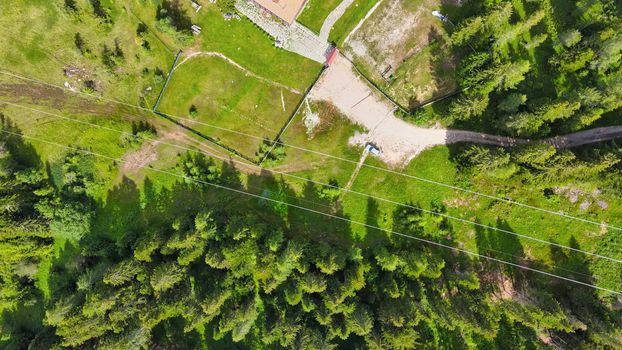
296,38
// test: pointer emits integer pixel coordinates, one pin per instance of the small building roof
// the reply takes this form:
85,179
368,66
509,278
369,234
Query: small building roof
287,10
330,58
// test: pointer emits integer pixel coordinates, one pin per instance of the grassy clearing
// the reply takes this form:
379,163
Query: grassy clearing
117,118
411,65
436,164
431,164
44,47
252,48
315,12
330,137
226,97
423,76
353,15
110,143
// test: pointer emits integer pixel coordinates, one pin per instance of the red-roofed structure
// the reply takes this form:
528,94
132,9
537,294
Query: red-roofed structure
286,10
332,56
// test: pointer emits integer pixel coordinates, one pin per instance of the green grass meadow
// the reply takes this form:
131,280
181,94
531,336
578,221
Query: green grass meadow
44,48
436,165
245,43
331,138
226,97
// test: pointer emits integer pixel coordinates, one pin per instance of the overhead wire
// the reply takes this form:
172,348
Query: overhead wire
423,240
391,171
153,139
428,211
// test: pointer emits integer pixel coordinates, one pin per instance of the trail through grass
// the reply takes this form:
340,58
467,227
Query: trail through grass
227,97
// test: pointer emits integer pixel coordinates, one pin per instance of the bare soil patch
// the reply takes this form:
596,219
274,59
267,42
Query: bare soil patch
587,199
380,42
54,97
354,97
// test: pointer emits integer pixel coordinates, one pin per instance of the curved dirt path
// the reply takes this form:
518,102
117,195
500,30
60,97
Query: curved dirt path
401,141
333,17
191,54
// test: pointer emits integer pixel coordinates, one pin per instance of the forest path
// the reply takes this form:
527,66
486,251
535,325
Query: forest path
575,139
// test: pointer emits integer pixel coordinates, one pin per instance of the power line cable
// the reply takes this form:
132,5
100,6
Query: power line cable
414,177
438,244
428,211
147,138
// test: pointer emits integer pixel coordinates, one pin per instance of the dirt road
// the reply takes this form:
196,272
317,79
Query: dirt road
401,141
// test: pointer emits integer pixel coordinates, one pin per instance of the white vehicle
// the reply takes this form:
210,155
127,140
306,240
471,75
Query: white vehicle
439,15
372,149
196,7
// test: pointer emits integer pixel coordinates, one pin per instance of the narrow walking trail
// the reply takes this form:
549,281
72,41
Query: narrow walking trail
333,17
355,173
401,141
360,24
191,54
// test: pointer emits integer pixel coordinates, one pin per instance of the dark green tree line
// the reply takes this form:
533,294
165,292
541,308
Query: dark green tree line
562,61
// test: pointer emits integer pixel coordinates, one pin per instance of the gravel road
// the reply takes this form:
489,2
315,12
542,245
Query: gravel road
400,141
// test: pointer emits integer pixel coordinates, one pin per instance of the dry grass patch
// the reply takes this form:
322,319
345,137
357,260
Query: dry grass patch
403,49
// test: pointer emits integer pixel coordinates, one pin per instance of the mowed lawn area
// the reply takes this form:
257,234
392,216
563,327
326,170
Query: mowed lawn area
246,44
353,15
315,12
226,97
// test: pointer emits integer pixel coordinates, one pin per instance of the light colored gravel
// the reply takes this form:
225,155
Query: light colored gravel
398,140
401,141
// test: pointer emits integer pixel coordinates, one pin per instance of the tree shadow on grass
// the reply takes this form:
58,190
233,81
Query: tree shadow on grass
371,219
578,307
120,215
584,302
319,227
503,246
25,154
